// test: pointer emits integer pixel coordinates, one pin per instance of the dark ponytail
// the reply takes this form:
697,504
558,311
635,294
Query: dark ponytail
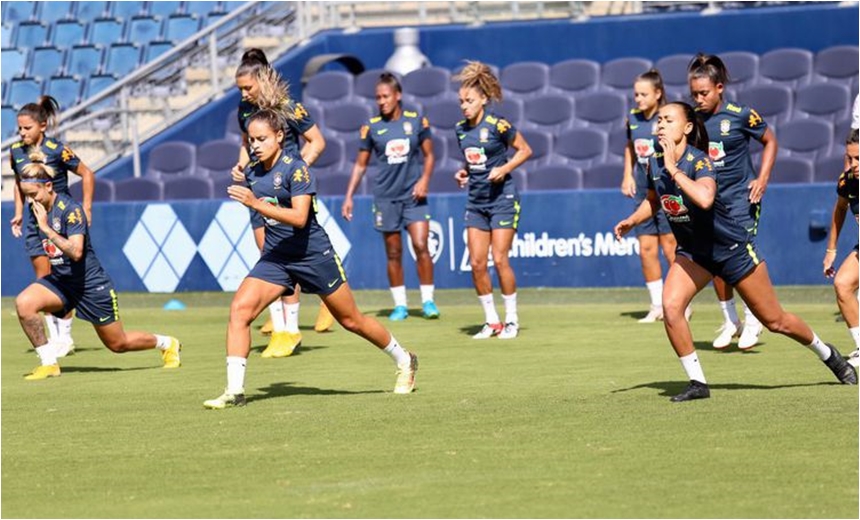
708,66
253,63
387,78
698,137
45,110
656,80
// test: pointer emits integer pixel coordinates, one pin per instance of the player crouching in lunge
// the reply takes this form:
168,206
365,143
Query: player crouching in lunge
77,280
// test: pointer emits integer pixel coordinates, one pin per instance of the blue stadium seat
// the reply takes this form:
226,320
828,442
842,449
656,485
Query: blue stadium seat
8,33
97,83
526,79
510,109
103,191
574,76
54,11
31,34
164,9
602,109
837,64
23,91
126,10
122,58
555,177
673,70
66,90
333,183
792,170
9,121
90,10
440,147
315,110
180,27
550,112
18,11
106,31
213,17
144,29
138,188
829,101
171,158
232,131
156,48
805,138
364,84
84,60
840,134
331,161
46,62
67,33
619,74
188,188
541,144
443,114
443,181
220,183
582,147
14,61
771,101
344,120
829,168
742,67
617,143
329,87
217,158
788,66
201,9
603,176
426,83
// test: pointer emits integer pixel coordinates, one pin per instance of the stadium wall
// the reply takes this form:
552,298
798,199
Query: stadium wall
564,240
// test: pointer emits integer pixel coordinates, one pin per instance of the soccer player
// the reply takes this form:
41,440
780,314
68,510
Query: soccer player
396,136
730,127
259,83
76,279
493,205
297,250
846,279
711,242
653,234
34,120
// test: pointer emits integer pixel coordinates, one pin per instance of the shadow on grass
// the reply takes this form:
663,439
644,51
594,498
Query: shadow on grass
471,330
65,369
670,388
288,389
731,349
636,315
298,352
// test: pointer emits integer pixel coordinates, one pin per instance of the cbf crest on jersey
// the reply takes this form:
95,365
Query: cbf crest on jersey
484,135
407,128
725,127
56,224
278,181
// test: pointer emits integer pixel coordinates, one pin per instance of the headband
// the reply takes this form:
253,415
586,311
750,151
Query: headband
33,179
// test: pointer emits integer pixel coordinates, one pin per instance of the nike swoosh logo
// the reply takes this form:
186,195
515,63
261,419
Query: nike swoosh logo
380,132
634,127
331,284
461,137
102,320
246,114
19,161
251,183
504,222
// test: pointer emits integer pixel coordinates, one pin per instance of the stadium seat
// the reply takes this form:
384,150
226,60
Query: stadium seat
350,151
126,10
232,131
771,101
18,11
829,168
440,147
620,73
54,11
426,83
171,158
66,90
104,191
9,121
84,60
8,32
443,181
97,83
574,76
90,10
827,101
788,66
525,79
46,62
791,170
185,188
180,27
840,134
510,109
220,183
520,178
742,67
805,138
67,33
201,9
144,29
345,119
617,143
673,70
604,110
541,144
106,31
555,177
364,85
332,158
329,87
122,58
332,182
215,158
31,34
138,188
603,176
164,9
23,91
443,114
454,152
14,61
837,64
156,48
582,147
550,112
315,111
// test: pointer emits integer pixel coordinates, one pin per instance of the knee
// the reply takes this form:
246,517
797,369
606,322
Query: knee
352,323
844,287
394,253
500,259
116,345
25,306
241,313
420,248
647,249
673,308
478,264
778,323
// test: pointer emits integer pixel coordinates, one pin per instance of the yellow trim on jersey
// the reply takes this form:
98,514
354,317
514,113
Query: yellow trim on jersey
375,119
50,144
490,119
409,113
731,107
635,111
19,144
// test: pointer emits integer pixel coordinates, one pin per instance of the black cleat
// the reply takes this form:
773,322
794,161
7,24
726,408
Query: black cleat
695,390
843,371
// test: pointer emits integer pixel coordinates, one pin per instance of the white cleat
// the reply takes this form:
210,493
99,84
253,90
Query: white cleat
727,330
64,347
854,359
489,330
510,331
749,336
654,315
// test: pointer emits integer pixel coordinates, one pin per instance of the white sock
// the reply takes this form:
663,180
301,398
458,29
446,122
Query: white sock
162,342
655,291
47,354
729,312
64,328
818,346
236,374
511,308
397,353
749,317
426,292
399,295
490,314
291,310
855,333
693,368
51,328
279,321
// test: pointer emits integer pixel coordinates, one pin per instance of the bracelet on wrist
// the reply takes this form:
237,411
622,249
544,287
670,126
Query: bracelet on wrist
830,250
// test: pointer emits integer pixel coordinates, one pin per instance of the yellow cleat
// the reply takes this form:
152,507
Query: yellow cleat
43,372
324,319
282,344
170,356
267,327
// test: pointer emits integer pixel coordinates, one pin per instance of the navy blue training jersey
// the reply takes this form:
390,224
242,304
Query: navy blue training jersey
729,131
847,189
709,233
298,125
396,145
57,155
642,133
67,218
484,147
290,177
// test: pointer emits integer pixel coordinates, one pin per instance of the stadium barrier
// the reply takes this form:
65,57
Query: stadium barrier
564,240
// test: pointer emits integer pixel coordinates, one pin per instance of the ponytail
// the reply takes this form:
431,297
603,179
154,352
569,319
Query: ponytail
274,91
479,76
387,78
708,66
45,110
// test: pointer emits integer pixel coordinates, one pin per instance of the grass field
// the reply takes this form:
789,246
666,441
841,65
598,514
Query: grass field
572,419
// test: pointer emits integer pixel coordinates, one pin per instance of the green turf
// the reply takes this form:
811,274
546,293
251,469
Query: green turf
570,420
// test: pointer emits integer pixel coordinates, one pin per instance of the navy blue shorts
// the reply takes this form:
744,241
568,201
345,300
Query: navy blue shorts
656,225
390,216
749,217
504,214
96,304
732,269
322,277
32,242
